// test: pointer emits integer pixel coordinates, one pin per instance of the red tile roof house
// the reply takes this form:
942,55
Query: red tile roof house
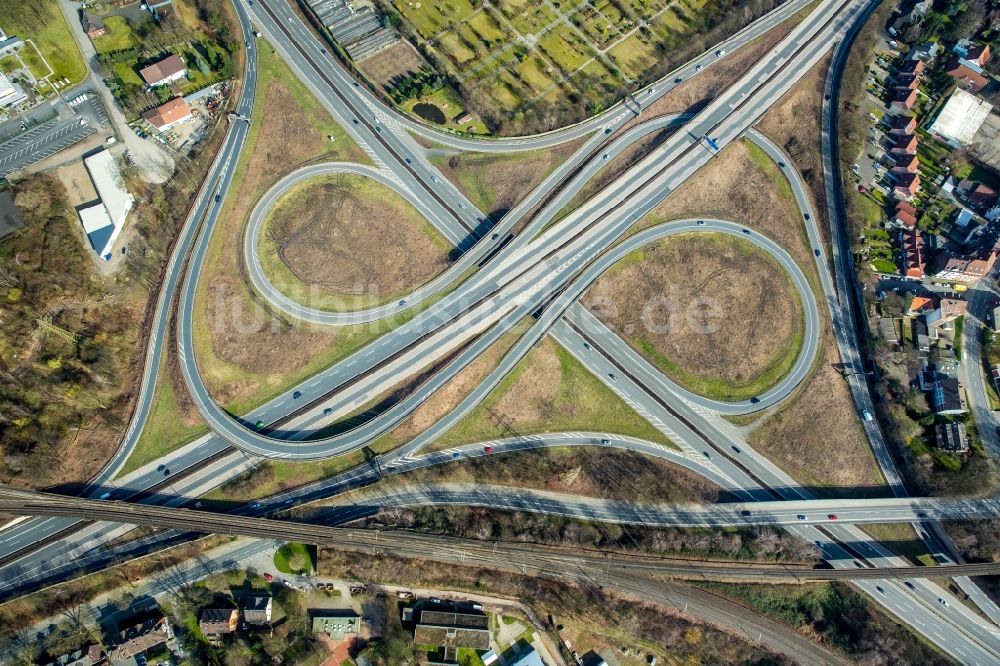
169,114
903,160
906,81
163,72
981,197
903,100
967,78
979,53
907,184
921,303
911,254
902,125
912,67
906,143
906,215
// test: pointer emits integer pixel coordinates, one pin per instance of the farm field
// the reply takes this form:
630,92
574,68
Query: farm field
527,67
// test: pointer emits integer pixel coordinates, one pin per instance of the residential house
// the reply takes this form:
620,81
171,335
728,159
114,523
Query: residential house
906,81
257,609
901,125
966,269
906,215
946,397
912,66
11,94
993,213
452,630
164,71
921,304
94,26
924,52
903,100
978,196
911,253
144,633
336,624
907,184
92,655
905,161
905,143
920,9
218,622
967,74
941,317
976,53
995,319
168,114
951,437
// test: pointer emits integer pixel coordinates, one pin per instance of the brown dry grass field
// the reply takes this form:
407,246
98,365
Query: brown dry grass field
76,180
350,237
818,438
592,472
497,182
664,286
734,187
549,391
793,124
399,60
245,352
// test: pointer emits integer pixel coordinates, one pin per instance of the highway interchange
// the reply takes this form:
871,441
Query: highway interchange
544,266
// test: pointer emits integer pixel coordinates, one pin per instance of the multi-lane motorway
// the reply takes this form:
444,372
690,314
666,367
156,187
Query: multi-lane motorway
496,283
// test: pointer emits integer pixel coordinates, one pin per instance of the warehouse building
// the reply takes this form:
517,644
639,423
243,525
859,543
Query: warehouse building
103,222
960,118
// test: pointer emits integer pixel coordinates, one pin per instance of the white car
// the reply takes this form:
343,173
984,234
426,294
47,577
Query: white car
720,53
868,415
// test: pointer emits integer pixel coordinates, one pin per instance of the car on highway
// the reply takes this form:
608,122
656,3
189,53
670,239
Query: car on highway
744,512
355,120
909,584
801,516
605,441
697,68
816,252
402,301
328,411
881,590
218,198
737,449
831,516
259,424
256,505
409,161
488,449
105,495
867,415
720,53
858,565
701,222
435,179
706,454
296,395
943,602
746,231
781,164
807,216
605,157
679,79
611,376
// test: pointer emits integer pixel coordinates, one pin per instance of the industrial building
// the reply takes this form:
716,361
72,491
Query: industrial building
960,118
103,222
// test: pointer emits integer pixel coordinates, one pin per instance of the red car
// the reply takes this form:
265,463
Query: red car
488,449
268,577
832,516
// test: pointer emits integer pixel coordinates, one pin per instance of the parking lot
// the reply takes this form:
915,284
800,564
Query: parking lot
81,115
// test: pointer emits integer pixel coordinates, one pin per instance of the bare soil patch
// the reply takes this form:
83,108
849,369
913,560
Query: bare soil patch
397,61
714,306
733,187
793,124
818,438
76,180
497,182
346,235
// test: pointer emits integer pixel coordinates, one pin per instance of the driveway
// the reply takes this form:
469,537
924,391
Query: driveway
150,158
